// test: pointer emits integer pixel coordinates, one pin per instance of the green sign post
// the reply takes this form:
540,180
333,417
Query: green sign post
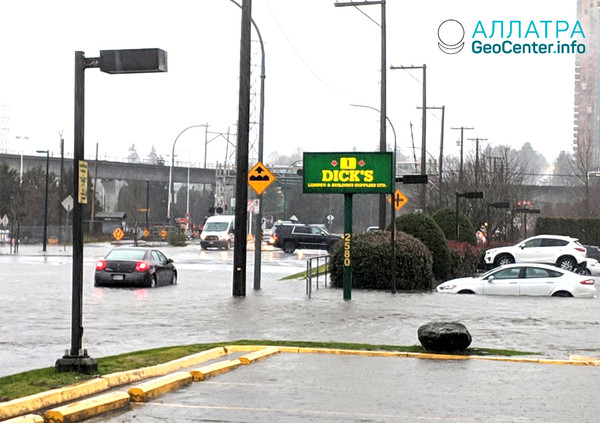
348,174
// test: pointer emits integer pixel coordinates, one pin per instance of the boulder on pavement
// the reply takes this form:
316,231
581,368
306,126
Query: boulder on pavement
444,336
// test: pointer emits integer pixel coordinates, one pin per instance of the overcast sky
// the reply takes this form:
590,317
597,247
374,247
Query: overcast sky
319,60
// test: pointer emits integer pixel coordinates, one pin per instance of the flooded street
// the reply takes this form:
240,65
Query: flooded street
36,312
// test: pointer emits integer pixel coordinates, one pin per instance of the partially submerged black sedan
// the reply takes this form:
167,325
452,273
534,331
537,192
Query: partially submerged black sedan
135,266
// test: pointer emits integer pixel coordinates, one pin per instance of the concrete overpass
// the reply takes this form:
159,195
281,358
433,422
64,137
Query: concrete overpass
113,175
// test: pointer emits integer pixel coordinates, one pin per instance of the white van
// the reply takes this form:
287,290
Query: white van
218,232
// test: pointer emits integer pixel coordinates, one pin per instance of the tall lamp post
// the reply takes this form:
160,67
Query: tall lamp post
45,241
21,168
112,62
171,199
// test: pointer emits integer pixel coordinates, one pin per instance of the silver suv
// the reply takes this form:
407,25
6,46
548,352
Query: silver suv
562,251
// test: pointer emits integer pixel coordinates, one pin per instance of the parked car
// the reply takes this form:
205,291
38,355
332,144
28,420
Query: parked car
562,251
589,267
135,266
524,279
290,237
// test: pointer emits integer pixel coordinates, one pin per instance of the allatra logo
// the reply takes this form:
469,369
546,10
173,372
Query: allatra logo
451,34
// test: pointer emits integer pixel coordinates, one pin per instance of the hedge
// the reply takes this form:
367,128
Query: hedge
371,262
446,220
586,230
424,228
465,258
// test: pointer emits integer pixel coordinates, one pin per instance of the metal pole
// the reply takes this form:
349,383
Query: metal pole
441,158
456,217
61,189
46,203
460,171
147,201
383,109
241,186
347,247
424,140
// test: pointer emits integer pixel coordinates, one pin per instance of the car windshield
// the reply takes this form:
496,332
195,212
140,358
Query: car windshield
126,254
216,226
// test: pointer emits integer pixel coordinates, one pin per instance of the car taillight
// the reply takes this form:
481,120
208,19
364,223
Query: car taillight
581,250
142,266
587,282
100,265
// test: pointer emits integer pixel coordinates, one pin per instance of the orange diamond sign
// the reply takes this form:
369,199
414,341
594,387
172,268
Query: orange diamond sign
259,178
399,200
118,234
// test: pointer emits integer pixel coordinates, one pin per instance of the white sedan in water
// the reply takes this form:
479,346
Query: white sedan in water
524,279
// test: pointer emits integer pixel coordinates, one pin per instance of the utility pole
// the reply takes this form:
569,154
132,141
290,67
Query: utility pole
423,131
241,177
477,158
61,188
440,196
383,90
460,172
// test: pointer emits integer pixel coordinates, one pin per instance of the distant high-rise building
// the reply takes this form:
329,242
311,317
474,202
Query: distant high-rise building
586,136
4,128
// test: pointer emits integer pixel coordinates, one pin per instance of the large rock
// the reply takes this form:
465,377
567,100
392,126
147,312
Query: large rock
444,336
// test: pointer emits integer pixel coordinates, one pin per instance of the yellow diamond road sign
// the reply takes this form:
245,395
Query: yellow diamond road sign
399,200
259,178
118,234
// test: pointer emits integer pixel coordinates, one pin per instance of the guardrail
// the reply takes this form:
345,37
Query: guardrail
309,272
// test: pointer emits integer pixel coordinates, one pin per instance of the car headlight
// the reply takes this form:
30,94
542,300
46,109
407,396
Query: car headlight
446,287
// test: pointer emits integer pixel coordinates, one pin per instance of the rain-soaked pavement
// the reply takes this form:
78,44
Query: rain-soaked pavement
36,311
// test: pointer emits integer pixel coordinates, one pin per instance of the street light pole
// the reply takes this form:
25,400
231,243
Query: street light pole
112,62
171,194
383,86
21,168
45,241
460,171
440,196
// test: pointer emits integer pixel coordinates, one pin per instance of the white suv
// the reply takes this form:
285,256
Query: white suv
562,251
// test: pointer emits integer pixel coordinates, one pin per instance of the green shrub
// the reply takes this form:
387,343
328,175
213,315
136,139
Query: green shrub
446,220
465,258
177,239
372,267
424,228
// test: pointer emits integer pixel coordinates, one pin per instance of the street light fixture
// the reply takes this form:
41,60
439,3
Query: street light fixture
45,241
112,62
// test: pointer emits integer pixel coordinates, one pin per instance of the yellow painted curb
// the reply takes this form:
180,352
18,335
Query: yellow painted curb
351,352
48,399
244,348
157,387
85,409
30,418
592,361
205,372
258,355
130,376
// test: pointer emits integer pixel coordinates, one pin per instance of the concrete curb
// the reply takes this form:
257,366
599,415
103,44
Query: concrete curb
51,398
157,387
258,355
88,408
214,369
30,418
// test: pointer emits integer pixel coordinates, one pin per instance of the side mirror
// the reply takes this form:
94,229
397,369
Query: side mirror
522,246
169,260
490,279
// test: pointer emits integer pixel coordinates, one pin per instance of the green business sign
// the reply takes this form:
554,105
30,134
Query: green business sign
347,173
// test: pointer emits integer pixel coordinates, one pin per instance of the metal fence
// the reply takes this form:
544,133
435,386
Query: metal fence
318,261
